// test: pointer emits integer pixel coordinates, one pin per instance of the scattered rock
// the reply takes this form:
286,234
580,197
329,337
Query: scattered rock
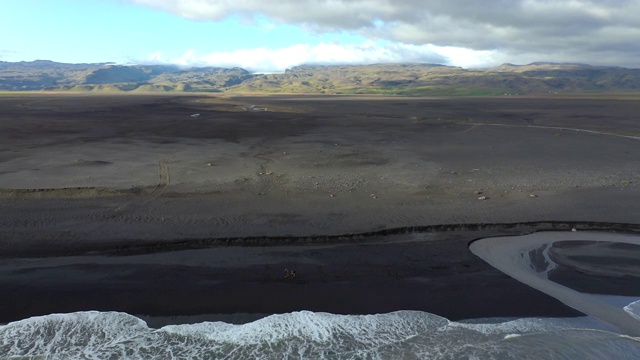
483,198
332,195
209,164
533,195
574,229
477,192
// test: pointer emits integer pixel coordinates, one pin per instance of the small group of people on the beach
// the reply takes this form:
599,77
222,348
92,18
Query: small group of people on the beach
289,274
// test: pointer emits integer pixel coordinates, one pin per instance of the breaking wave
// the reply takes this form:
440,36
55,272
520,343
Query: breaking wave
633,309
303,335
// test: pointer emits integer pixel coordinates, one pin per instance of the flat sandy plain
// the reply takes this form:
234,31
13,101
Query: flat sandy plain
130,203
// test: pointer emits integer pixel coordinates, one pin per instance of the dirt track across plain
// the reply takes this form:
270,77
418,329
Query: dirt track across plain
309,165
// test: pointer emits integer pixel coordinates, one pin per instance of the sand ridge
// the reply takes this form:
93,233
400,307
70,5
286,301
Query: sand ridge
311,166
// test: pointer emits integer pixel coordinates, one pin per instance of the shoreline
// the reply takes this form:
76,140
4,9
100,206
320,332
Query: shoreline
426,271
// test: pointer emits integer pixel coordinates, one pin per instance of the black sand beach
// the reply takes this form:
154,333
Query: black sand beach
130,203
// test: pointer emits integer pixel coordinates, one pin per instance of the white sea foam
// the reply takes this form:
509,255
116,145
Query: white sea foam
633,309
403,334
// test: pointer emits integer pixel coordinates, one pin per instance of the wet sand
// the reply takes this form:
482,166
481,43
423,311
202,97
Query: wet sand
431,271
95,176
614,267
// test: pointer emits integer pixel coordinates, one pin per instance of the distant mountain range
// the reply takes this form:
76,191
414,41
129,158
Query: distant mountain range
400,79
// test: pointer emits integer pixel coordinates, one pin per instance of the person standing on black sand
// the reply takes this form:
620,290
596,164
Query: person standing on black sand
290,274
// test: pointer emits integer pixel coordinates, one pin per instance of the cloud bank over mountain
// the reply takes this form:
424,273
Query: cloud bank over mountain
591,31
265,60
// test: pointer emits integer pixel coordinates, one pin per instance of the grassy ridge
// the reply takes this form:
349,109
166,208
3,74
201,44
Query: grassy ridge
388,79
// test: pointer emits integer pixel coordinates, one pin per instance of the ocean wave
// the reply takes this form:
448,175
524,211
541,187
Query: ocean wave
402,334
633,309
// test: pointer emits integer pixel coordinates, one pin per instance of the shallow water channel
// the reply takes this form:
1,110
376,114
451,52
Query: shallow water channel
597,273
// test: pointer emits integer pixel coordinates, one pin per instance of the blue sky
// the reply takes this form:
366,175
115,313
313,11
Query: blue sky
270,36
117,31
99,31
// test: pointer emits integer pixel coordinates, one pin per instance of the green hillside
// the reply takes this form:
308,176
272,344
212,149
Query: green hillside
389,79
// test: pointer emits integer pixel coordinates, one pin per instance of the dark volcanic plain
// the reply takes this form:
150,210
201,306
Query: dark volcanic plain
177,205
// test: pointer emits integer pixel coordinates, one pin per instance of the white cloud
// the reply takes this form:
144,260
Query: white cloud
156,57
468,58
4,53
277,60
596,31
